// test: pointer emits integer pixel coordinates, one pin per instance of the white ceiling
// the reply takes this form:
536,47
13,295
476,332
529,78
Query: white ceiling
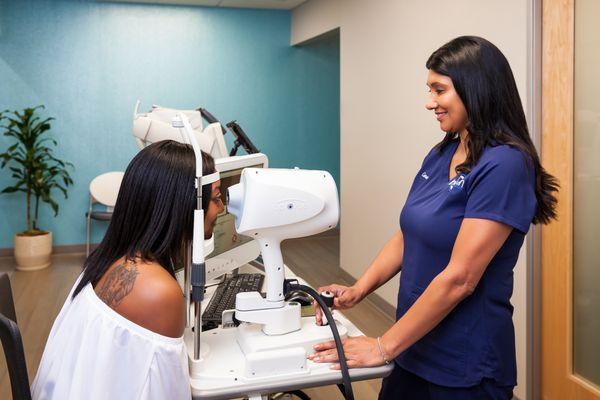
273,4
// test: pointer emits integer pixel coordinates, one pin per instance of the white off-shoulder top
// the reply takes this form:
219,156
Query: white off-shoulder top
95,353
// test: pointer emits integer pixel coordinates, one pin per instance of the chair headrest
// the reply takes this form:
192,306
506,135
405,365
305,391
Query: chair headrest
105,188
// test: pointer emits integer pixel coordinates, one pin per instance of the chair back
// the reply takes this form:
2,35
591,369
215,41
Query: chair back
104,188
7,304
12,344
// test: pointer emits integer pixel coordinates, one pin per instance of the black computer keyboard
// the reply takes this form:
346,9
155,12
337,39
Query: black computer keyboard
224,297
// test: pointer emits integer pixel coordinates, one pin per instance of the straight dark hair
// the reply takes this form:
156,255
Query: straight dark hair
153,216
485,83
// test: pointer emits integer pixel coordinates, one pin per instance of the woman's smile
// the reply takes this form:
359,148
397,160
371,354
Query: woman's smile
445,102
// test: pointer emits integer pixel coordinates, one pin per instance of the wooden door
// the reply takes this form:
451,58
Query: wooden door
570,355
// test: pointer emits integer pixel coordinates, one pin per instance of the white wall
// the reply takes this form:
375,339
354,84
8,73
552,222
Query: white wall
385,129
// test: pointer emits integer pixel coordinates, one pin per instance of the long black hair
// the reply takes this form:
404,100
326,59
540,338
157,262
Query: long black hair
485,83
153,215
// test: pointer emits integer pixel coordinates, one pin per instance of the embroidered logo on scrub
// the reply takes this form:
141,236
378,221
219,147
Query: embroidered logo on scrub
424,175
456,183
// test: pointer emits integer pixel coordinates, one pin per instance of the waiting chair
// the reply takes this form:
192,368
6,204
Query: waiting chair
10,336
104,190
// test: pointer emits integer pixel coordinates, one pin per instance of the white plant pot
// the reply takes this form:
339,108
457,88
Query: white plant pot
33,252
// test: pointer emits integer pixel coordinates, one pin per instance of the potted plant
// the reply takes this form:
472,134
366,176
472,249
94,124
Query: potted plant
38,173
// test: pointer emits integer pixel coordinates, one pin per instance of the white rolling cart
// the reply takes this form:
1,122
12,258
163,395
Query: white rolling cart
222,373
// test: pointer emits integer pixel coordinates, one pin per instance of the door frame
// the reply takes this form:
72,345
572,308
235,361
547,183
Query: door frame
534,239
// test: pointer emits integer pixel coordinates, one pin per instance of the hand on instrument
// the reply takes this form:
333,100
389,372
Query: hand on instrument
360,351
344,297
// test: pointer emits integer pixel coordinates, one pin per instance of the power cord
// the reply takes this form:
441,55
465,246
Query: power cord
292,284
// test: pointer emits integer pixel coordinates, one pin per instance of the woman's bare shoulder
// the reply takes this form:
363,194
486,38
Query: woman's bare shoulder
146,294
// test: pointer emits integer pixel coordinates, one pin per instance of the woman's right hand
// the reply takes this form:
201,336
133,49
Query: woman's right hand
344,297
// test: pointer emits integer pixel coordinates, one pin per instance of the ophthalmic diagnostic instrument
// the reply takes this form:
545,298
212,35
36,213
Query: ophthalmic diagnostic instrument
263,344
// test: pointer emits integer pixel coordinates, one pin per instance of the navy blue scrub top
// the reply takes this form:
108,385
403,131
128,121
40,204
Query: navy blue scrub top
476,340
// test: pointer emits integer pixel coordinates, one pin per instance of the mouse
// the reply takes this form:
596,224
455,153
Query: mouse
299,297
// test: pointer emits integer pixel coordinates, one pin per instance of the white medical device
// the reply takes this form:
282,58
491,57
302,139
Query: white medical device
271,205
181,123
156,125
228,250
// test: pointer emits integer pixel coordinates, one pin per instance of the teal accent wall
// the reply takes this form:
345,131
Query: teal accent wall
88,62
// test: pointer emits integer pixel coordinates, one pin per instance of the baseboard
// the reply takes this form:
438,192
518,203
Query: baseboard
378,301
334,232
62,249
71,248
80,248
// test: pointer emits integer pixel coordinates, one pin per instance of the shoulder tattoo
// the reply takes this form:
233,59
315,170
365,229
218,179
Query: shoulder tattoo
119,283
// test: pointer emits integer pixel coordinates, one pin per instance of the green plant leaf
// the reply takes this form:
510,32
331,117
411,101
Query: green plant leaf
12,148
31,157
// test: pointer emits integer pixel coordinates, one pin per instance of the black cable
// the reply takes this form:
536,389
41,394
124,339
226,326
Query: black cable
288,286
210,118
300,394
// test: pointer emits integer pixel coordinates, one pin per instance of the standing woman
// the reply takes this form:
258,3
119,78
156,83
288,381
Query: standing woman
461,228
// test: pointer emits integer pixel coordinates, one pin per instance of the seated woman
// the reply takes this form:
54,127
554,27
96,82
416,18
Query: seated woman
119,333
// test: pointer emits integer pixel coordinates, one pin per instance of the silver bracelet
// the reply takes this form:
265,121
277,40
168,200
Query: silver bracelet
381,351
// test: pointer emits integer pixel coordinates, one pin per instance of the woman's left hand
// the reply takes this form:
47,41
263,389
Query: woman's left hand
360,351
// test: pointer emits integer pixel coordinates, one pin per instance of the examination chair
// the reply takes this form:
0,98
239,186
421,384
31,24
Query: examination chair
12,343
